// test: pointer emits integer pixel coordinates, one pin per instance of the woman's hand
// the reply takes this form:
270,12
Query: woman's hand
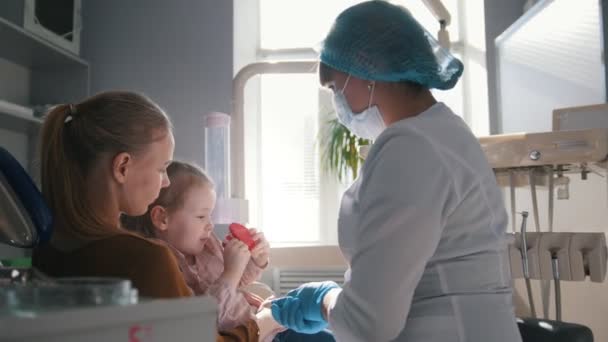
261,252
304,309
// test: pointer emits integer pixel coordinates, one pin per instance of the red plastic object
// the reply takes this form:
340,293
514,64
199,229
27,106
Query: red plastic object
240,232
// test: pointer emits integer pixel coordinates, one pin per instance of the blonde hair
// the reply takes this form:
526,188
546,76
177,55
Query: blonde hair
73,139
183,176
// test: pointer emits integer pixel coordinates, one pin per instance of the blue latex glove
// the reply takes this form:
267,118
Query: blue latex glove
301,309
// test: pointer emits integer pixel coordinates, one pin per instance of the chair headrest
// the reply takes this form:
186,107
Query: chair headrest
25,219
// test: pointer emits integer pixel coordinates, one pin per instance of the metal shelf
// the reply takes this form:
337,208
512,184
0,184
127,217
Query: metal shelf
24,48
15,118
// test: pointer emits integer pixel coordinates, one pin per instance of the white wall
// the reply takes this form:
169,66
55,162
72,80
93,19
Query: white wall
177,52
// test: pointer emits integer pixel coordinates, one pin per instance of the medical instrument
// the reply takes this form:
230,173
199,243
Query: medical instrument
524,260
547,159
558,294
534,160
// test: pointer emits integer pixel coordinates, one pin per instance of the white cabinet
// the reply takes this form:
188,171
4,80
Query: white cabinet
184,320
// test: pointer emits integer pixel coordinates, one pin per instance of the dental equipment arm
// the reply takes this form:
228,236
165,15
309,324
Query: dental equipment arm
442,15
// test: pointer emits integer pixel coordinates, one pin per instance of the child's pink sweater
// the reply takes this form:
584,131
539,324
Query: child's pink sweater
235,307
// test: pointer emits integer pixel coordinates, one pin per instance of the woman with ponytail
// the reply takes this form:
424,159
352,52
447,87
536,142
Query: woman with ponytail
101,158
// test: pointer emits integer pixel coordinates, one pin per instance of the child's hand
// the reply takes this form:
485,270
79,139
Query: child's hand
261,252
236,258
267,324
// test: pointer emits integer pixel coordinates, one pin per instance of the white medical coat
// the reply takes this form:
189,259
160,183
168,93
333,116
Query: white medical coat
423,230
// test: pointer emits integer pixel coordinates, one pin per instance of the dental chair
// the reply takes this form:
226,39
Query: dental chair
25,219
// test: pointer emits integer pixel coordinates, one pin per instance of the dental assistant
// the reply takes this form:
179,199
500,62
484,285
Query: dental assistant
423,226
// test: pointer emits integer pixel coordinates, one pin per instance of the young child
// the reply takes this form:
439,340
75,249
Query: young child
181,216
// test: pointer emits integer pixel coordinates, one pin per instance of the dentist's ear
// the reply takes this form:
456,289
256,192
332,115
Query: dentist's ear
120,166
159,218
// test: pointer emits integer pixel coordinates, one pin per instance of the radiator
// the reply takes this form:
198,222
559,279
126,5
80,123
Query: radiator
286,279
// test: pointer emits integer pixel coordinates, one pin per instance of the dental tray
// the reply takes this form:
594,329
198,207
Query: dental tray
575,147
37,296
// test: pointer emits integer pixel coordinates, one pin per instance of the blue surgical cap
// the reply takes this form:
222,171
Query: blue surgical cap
379,41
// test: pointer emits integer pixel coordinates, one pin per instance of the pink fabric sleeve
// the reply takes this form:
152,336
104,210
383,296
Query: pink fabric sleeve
233,305
252,273
214,248
203,278
233,308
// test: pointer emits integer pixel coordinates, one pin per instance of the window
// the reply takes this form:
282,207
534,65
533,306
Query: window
290,198
289,166
279,30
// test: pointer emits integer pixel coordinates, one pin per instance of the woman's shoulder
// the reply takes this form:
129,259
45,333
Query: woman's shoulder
433,135
132,247
149,263
132,238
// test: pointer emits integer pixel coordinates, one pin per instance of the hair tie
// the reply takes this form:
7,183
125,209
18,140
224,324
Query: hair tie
71,113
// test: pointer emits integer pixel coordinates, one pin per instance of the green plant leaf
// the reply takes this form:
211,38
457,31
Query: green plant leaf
339,149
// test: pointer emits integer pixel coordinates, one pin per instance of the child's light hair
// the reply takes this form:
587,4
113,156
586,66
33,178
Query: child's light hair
183,176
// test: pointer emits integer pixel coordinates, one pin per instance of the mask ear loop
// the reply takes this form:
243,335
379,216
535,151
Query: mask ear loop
345,84
371,94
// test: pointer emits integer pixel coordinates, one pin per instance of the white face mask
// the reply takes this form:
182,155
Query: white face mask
368,124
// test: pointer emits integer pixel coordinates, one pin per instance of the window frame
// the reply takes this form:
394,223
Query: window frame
328,235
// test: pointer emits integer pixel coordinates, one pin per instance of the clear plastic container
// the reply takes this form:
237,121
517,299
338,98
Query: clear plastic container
64,293
217,151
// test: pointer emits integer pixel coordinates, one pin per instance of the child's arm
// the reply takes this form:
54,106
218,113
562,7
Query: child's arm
233,307
236,259
260,256
252,274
